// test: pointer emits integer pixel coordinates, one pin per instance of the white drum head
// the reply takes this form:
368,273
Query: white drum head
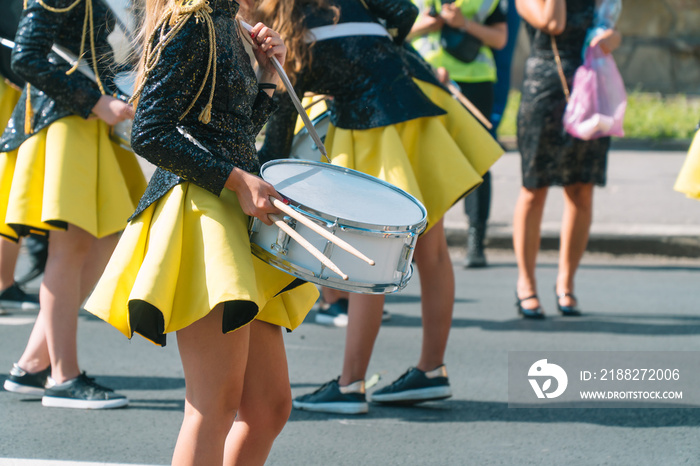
332,191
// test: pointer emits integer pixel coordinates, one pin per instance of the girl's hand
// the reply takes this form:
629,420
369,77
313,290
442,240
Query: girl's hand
608,40
453,16
253,194
112,110
269,44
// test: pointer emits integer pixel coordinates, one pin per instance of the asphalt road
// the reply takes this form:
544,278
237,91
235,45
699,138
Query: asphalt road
630,304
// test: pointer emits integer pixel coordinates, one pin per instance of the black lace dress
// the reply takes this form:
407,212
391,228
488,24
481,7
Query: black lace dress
550,156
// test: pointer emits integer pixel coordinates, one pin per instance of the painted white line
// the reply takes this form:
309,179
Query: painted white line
29,462
11,320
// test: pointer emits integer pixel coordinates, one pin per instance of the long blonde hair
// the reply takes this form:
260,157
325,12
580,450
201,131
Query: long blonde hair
287,18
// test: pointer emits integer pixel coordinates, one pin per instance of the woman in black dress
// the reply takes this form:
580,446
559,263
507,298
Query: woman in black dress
550,156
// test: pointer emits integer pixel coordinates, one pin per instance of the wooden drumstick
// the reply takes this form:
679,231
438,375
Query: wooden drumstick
282,225
470,106
301,218
295,100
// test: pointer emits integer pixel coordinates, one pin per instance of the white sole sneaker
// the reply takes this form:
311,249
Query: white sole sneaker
59,402
414,396
337,321
19,306
14,387
334,408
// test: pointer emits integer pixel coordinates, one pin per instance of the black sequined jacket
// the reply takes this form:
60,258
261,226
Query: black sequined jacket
238,114
369,77
54,94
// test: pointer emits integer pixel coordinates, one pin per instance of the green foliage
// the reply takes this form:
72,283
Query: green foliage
648,116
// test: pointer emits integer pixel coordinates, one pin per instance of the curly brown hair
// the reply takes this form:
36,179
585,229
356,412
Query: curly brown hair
287,18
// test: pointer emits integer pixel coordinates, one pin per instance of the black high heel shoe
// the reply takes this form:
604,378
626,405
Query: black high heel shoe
535,313
567,311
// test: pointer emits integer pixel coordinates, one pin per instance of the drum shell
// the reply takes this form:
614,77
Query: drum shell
390,246
303,145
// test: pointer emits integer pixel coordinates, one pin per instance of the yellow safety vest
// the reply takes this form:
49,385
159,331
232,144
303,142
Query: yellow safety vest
483,68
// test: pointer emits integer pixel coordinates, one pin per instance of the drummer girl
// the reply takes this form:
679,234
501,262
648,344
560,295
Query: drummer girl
391,119
184,262
67,177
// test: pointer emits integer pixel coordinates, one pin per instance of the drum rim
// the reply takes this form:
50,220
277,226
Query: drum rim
418,227
331,282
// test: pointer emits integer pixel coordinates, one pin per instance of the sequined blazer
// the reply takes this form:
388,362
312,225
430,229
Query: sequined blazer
369,77
53,94
238,114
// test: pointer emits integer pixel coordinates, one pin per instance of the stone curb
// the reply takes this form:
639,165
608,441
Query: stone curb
658,245
509,143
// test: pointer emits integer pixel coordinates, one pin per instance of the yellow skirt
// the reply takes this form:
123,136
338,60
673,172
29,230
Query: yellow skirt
688,181
69,173
9,96
183,255
438,160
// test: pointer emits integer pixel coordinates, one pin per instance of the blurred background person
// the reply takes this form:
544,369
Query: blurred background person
474,71
550,156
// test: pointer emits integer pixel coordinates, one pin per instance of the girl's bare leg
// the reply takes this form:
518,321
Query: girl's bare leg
54,337
214,365
267,399
9,251
527,221
364,321
575,229
437,286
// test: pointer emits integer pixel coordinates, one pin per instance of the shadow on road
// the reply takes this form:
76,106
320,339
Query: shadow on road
491,411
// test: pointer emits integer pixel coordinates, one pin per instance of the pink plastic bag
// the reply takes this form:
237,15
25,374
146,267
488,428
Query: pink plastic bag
598,99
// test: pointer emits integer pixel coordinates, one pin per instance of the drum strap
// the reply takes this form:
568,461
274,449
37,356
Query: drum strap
344,30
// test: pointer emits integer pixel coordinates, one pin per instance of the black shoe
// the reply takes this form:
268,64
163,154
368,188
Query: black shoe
25,383
82,392
535,313
336,314
475,247
38,248
14,298
567,311
415,386
330,399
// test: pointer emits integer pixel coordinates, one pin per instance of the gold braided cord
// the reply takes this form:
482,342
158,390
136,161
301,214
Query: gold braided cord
87,21
175,17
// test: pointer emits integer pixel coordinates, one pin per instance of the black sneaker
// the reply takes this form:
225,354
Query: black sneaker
415,386
25,383
336,314
330,399
14,297
37,247
82,392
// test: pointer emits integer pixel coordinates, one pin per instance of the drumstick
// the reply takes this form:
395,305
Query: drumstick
470,106
301,218
295,100
282,225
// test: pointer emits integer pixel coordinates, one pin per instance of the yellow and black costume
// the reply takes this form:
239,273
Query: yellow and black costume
688,181
186,249
63,167
389,116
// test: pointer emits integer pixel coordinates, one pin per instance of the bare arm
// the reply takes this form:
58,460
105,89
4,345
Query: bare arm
608,40
425,24
492,35
549,16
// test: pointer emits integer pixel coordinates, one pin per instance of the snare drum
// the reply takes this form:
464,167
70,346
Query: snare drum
303,146
377,218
